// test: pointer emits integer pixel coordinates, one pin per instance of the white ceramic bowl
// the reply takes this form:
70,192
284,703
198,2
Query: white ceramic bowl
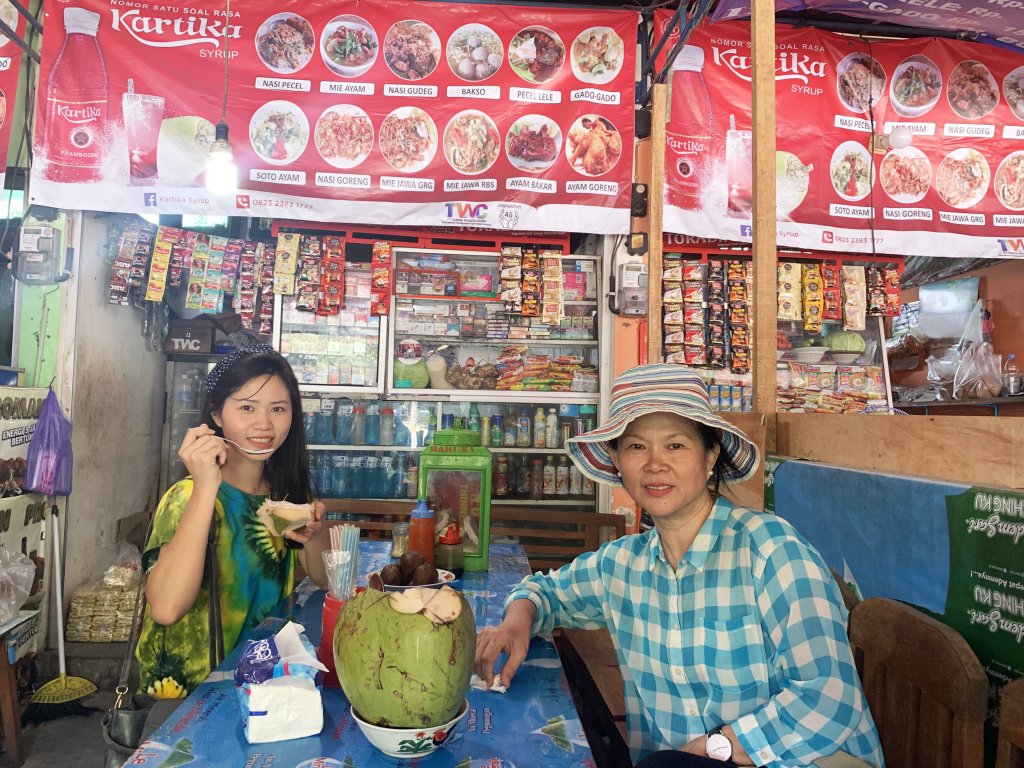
807,354
409,742
443,576
845,358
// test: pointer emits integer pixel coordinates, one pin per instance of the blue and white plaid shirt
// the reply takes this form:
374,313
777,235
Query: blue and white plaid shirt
750,630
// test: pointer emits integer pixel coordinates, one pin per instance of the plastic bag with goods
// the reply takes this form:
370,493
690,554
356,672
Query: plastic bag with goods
979,374
126,569
49,463
16,575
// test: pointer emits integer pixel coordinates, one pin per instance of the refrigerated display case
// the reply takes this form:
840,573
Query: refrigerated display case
184,382
451,351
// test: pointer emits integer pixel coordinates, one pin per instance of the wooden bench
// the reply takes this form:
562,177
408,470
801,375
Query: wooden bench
550,536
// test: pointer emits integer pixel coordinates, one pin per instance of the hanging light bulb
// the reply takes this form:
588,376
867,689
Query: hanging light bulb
221,171
900,137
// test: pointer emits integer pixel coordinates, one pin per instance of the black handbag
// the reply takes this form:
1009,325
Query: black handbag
125,724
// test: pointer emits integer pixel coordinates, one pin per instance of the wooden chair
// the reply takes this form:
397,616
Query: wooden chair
925,686
595,682
1010,746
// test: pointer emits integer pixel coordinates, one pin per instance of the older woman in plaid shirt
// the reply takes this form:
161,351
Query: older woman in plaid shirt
729,629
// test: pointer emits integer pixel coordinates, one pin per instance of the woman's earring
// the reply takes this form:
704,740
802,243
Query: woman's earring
710,473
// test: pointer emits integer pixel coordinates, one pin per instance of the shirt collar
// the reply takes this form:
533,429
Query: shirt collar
706,539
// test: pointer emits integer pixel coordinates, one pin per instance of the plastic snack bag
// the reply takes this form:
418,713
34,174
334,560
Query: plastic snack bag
16,575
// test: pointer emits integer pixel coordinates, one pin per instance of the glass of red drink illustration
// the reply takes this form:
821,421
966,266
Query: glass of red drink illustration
142,117
739,173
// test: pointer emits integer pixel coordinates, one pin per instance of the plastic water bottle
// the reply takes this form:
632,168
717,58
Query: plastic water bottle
358,424
387,425
323,470
343,423
398,483
385,478
342,479
372,433
1011,376
357,473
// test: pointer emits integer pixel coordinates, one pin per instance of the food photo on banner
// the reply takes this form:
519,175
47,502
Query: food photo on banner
909,147
410,113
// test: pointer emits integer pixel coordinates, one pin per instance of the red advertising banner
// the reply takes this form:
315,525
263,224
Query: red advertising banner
10,68
397,113
916,145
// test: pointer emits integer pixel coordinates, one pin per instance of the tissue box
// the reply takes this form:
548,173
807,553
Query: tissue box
275,682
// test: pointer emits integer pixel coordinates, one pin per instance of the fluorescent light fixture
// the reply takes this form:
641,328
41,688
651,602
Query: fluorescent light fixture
221,171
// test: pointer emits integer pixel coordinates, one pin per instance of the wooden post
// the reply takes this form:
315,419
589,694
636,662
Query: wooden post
762,24
656,201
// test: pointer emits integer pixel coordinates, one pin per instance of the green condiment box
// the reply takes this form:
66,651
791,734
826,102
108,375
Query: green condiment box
455,479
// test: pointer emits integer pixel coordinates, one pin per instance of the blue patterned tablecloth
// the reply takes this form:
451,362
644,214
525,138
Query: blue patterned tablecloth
499,731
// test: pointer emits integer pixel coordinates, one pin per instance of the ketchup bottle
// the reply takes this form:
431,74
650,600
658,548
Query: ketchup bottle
76,103
421,531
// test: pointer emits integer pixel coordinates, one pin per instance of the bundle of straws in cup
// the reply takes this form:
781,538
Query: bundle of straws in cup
341,561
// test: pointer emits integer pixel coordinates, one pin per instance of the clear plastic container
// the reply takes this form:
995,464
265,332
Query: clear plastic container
399,539
448,551
358,433
371,435
387,425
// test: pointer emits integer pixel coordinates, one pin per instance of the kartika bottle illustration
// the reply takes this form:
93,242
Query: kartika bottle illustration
688,142
76,102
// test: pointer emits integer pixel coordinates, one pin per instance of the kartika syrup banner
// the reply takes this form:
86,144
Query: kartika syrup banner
10,68
913,147
399,113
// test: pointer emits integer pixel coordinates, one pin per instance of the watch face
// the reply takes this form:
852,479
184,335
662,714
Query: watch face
719,747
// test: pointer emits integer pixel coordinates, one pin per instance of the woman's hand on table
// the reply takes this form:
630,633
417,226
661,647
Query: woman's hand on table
309,530
512,636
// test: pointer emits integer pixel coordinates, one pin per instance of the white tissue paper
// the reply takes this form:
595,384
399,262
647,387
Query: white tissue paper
478,684
275,681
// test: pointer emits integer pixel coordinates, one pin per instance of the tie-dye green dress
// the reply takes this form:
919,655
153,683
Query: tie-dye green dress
255,571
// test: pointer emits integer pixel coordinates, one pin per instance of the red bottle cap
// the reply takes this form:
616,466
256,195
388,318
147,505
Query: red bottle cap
452,535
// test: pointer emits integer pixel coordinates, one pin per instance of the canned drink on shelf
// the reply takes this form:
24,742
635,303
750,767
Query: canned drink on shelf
497,430
565,432
485,430
577,427
447,420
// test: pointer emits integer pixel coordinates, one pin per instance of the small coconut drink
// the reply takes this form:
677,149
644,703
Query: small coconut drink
404,659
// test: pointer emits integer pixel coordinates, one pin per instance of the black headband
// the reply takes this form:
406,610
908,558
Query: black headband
226,362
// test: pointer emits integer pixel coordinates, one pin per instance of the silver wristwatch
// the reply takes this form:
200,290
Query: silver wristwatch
718,745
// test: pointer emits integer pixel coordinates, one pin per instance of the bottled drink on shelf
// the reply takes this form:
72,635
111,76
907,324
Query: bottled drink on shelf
371,487
551,434
1011,376
498,431
341,480
357,473
539,429
537,479
387,425
412,477
76,103
501,477
358,433
524,430
588,486
398,485
511,433
325,422
550,477
522,484
575,481
371,433
386,478
343,423
562,477
473,423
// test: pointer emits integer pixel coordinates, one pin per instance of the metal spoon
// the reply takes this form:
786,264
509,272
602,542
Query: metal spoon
250,451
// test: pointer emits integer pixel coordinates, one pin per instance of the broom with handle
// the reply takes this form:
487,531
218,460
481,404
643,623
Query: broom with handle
64,689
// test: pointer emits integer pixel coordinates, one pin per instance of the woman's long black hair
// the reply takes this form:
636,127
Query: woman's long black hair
287,469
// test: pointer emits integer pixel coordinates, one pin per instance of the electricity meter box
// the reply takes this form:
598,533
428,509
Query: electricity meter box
455,479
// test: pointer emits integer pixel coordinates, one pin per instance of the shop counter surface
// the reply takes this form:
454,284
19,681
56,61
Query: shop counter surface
499,731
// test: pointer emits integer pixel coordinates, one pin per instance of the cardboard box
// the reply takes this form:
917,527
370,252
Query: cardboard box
189,336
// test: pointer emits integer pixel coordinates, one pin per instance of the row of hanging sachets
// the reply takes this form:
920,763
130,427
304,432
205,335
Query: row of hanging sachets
706,319
817,293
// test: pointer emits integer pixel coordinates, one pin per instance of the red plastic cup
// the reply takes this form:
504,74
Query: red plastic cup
325,652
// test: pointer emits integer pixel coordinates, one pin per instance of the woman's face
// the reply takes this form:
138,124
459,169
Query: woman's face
258,415
664,466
